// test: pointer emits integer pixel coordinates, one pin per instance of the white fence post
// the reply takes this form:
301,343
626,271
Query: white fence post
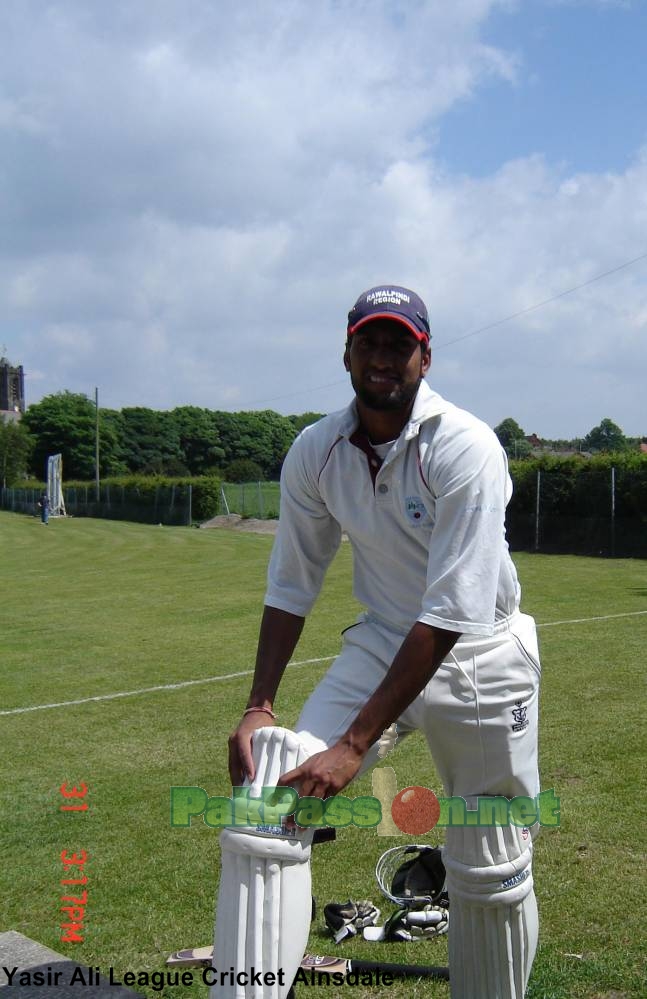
224,499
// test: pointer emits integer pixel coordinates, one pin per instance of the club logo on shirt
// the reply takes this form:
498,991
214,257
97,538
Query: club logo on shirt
415,510
519,714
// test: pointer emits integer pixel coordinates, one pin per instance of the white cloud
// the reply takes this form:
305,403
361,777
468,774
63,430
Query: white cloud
205,196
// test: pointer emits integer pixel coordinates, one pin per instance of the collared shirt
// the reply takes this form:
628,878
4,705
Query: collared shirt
426,524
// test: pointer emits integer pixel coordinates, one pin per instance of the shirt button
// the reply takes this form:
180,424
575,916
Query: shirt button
383,488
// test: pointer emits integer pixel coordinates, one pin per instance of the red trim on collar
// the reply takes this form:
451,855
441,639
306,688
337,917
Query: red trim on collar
332,448
361,441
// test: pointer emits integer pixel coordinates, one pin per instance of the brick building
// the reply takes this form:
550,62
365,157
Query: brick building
12,390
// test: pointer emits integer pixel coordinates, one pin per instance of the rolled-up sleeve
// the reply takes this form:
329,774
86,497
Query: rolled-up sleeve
307,537
471,483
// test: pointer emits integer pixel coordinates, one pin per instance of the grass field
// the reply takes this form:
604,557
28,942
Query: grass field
91,609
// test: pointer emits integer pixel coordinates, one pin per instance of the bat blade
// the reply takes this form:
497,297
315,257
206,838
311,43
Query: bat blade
191,957
201,957
319,962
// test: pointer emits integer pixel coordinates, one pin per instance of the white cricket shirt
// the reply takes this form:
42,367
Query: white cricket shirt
426,525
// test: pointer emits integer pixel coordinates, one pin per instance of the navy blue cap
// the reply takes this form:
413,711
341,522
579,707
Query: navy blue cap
393,302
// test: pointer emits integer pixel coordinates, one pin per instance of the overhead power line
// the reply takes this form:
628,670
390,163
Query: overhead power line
539,305
482,329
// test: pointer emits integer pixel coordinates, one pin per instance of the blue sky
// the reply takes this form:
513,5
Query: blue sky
192,195
578,96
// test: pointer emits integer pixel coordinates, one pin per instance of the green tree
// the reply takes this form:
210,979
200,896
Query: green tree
262,436
508,431
65,423
244,470
519,448
16,445
512,438
151,442
607,436
299,421
112,457
198,436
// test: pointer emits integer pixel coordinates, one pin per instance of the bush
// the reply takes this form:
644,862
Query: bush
146,497
206,496
575,504
244,470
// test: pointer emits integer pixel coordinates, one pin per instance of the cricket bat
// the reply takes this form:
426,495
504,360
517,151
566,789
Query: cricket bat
197,957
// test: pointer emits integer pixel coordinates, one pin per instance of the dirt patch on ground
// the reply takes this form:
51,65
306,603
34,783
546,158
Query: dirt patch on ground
234,522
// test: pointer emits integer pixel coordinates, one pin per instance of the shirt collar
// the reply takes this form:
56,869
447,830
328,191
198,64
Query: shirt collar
427,404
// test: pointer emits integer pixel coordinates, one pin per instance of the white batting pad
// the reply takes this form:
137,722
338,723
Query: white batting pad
265,896
493,924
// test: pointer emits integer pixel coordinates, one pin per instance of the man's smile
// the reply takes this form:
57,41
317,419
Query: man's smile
382,379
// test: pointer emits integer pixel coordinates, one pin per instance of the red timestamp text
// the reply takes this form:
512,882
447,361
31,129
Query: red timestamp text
75,903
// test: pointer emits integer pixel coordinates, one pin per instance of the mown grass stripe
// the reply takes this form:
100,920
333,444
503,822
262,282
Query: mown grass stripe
152,690
249,672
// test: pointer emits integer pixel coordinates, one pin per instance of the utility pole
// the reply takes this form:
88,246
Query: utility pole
613,512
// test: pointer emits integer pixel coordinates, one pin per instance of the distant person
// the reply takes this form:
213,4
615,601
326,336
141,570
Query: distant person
43,503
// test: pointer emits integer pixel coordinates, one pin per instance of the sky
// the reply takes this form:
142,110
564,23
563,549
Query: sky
193,193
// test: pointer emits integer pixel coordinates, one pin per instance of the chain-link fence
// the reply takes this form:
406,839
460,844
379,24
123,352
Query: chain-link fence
168,505
21,500
551,511
251,499
555,512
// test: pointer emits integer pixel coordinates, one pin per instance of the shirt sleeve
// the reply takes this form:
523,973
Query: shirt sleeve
307,538
471,483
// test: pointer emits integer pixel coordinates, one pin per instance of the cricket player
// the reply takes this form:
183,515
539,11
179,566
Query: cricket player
420,487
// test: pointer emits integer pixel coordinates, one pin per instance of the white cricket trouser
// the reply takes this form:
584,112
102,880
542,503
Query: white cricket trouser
479,715
478,712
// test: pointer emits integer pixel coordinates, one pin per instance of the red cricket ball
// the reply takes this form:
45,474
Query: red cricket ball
415,810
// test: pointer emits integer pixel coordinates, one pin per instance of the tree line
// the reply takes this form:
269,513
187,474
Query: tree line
606,438
193,441
185,441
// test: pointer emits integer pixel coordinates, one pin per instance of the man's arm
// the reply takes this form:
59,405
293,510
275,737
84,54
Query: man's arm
279,634
418,658
307,539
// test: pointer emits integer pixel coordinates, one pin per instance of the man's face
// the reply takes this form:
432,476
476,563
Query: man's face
386,365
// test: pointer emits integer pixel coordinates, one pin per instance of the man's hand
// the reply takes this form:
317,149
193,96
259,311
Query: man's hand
325,774
241,763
